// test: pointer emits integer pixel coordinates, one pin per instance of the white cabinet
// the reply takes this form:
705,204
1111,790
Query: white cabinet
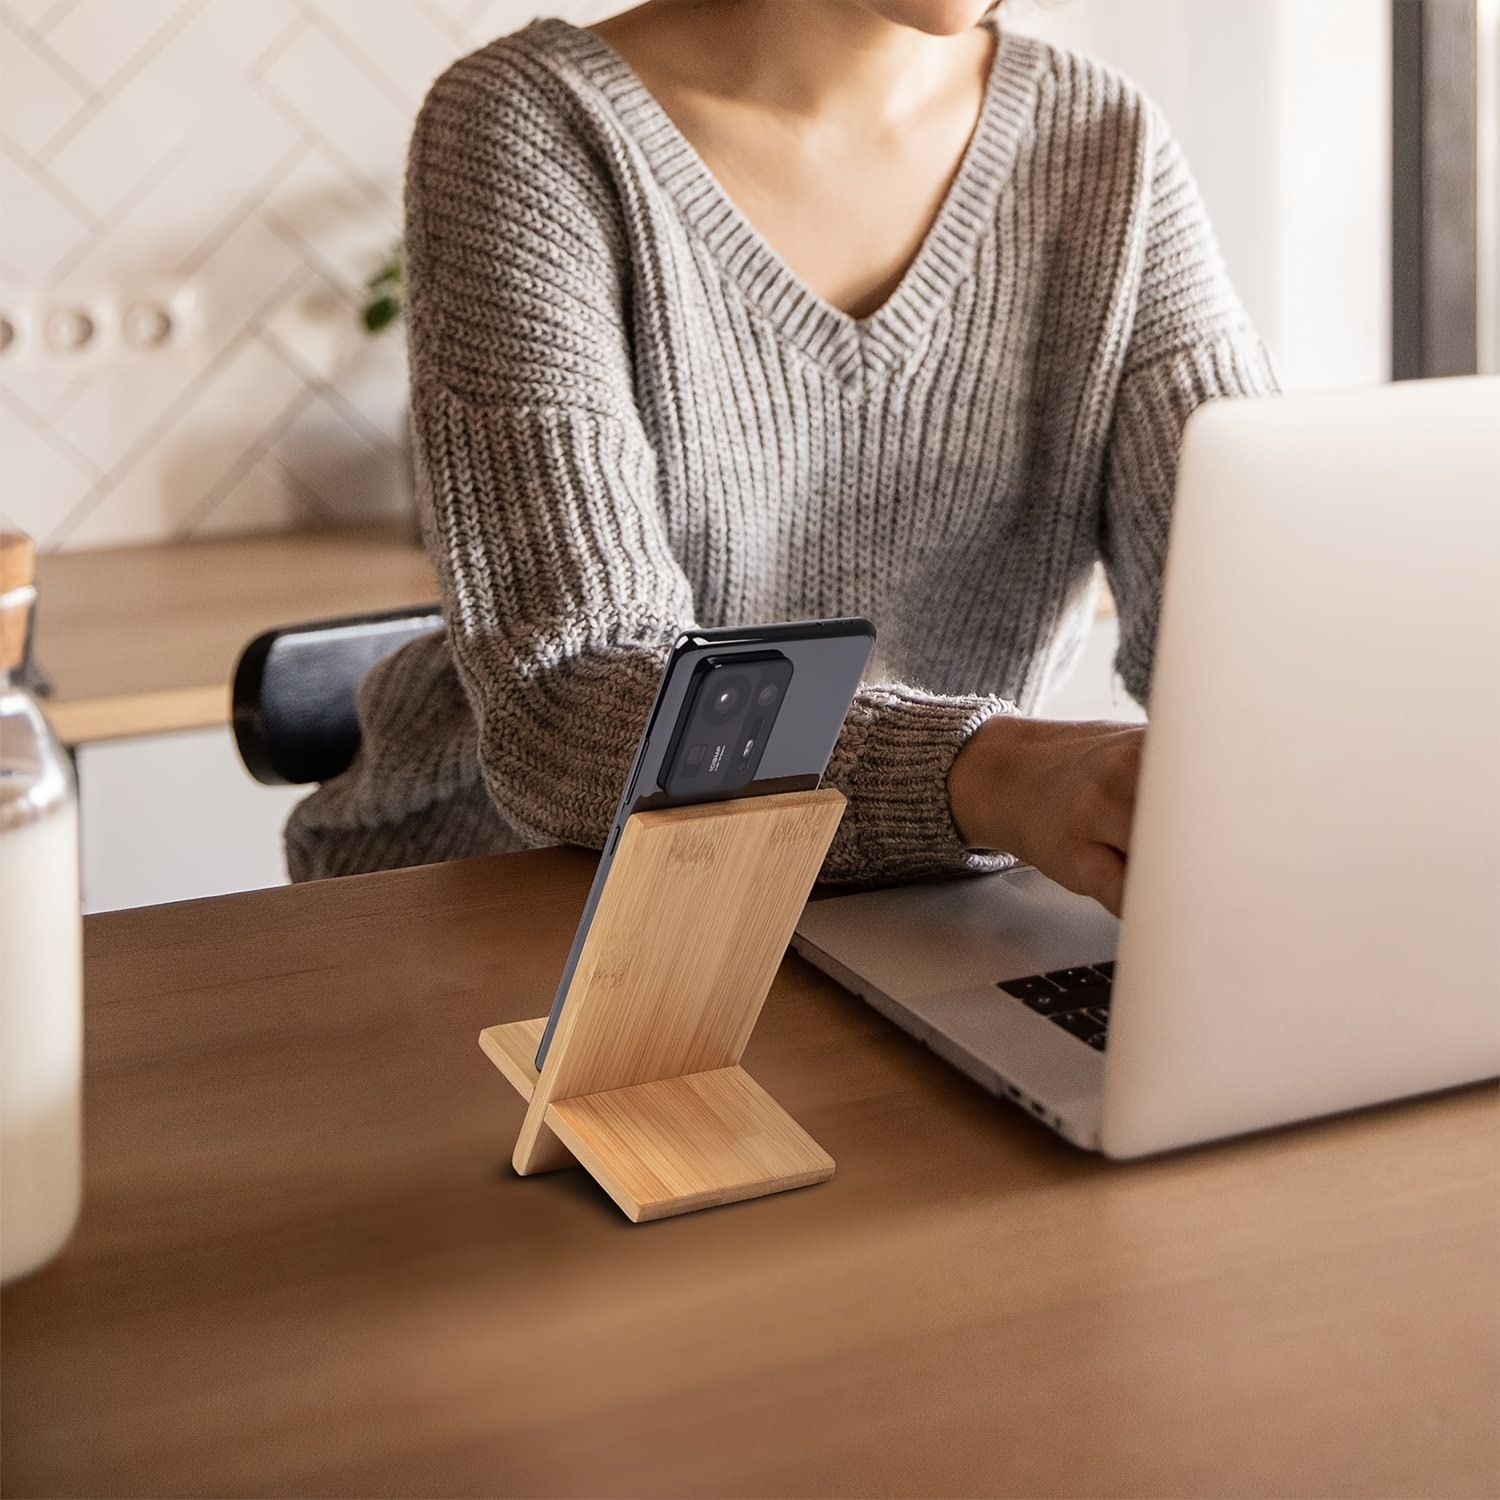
172,816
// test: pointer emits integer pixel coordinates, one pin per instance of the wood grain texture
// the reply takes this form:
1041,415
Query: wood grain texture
512,1049
681,1144
305,1268
688,934
143,640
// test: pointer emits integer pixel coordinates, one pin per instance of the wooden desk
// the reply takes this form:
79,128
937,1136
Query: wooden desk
304,1266
142,640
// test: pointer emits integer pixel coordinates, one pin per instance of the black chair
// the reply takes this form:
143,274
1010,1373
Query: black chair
294,691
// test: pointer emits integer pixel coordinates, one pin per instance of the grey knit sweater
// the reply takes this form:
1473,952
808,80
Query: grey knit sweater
630,415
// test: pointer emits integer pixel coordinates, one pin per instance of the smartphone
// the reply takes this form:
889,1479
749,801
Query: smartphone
739,713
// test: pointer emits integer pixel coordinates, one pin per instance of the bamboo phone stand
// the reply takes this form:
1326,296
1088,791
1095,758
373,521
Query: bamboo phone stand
642,1083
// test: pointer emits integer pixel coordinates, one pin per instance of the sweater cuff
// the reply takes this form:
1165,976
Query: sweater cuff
891,762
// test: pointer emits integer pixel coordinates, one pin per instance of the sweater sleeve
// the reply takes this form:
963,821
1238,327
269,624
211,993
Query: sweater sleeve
1191,341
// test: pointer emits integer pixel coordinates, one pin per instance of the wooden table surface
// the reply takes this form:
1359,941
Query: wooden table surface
142,640
304,1265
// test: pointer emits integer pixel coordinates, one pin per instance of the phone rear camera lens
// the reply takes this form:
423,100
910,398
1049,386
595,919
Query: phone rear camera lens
768,695
726,699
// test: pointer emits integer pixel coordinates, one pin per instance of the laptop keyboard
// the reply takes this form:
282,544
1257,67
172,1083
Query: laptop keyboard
1075,999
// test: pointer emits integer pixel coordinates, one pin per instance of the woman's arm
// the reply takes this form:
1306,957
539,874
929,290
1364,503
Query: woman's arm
536,479
1191,342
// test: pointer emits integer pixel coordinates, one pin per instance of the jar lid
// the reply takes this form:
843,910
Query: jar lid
17,595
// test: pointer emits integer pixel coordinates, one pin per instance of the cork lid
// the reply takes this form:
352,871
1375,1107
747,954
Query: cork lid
17,595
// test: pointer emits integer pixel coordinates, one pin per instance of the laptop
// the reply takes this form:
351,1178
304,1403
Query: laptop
1312,901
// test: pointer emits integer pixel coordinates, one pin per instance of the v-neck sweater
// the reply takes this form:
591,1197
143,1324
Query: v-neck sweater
630,416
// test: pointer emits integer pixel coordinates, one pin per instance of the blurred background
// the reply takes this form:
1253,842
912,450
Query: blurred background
196,194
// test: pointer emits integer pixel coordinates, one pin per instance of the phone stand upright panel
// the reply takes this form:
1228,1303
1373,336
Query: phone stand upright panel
642,1083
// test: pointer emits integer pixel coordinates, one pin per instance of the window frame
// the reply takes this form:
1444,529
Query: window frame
1441,284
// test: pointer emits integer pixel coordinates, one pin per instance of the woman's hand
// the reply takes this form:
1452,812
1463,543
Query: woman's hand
1059,796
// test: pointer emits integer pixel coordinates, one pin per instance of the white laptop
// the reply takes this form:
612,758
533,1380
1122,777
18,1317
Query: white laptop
1312,901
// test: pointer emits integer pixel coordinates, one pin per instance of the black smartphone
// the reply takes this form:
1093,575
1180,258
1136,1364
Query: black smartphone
739,713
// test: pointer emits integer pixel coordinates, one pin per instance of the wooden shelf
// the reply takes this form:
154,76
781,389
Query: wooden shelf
142,640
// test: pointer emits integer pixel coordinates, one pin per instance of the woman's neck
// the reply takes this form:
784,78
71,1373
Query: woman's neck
828,61
836,132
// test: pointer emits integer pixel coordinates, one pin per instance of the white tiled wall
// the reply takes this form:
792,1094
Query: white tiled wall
240,160
237,162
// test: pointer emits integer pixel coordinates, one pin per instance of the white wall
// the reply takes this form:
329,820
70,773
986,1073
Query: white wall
235,165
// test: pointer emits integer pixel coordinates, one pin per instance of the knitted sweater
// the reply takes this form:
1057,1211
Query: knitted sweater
630,416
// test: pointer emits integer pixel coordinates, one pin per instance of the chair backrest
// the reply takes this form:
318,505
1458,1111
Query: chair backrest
294,691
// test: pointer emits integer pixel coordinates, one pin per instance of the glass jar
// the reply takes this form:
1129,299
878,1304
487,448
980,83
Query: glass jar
41,967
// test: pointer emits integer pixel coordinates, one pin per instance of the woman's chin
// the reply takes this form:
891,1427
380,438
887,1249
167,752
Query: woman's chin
935,17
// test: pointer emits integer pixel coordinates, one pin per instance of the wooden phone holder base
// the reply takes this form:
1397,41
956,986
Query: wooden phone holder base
642,1084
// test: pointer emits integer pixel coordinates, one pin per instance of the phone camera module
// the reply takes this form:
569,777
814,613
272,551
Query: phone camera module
726,724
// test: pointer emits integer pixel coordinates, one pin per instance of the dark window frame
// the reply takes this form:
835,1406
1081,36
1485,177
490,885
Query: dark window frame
1435,266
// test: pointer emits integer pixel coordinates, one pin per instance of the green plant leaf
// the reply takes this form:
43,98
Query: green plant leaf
382,313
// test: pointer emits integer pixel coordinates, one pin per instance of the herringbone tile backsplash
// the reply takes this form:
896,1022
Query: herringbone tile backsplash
193,194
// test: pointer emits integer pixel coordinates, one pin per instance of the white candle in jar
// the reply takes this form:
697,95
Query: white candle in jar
41,953
41,1038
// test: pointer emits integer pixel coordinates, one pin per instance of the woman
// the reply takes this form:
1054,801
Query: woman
744,310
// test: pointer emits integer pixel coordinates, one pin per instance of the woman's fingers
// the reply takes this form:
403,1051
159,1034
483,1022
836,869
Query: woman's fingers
1059,795
1105,803
1106,808
1099,872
